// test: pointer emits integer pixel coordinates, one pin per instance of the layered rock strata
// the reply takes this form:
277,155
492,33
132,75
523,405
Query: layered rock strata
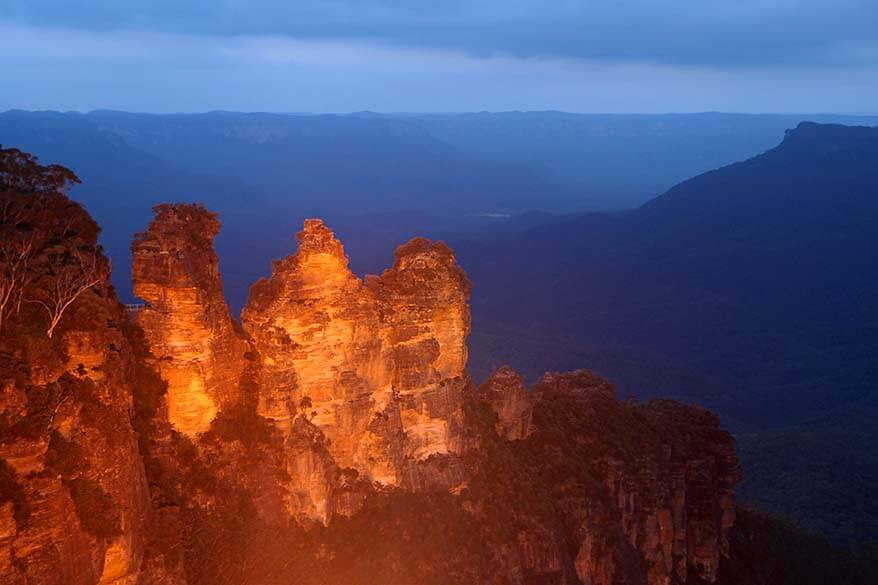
377,365
185,318
74,500
668,470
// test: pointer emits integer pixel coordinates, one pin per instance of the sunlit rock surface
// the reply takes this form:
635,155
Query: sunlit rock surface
378,366
74,499
336,438
186,320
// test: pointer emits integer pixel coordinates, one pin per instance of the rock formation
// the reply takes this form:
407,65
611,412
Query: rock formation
185,318
505,392
335,438
668,470
69,458
74,501
378,366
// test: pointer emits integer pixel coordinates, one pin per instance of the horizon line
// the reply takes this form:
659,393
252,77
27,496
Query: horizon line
436,113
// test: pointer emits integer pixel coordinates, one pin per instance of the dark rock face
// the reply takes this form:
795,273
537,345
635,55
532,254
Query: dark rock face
335,438
510,401
671,480
611,492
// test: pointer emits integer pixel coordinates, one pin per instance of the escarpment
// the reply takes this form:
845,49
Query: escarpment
668,470
334,437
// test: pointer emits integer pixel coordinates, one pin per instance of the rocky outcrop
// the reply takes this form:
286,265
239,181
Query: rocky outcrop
378,366
425,317
364,381
74,500
336,438
79,496
186,320
668,470
505,392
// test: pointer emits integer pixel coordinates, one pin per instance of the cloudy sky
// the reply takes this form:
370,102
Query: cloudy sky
440,55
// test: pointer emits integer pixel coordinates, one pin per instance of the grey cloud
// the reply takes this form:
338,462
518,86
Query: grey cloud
715,33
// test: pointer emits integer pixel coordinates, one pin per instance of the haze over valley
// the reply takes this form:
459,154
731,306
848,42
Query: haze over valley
742,288
367,292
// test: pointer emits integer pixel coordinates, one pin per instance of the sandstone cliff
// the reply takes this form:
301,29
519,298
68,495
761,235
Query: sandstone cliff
334,438
74,501
377,366
668,470
505,392
185,318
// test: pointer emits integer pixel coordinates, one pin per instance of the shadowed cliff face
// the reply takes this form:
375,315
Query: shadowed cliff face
335,438
637,493
505,392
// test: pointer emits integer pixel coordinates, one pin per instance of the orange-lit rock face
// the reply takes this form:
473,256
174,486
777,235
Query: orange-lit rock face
357,382
378,366
69,455
186,319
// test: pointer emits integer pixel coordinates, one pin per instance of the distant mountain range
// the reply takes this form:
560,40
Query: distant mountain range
377,178
738,287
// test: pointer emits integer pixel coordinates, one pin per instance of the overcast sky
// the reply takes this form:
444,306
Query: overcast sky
440,55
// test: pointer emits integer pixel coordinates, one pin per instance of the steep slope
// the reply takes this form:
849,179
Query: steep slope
750,289
74,500
617,161
747,288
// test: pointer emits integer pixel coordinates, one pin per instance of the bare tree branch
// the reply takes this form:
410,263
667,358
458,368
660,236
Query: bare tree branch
69,273
17,250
